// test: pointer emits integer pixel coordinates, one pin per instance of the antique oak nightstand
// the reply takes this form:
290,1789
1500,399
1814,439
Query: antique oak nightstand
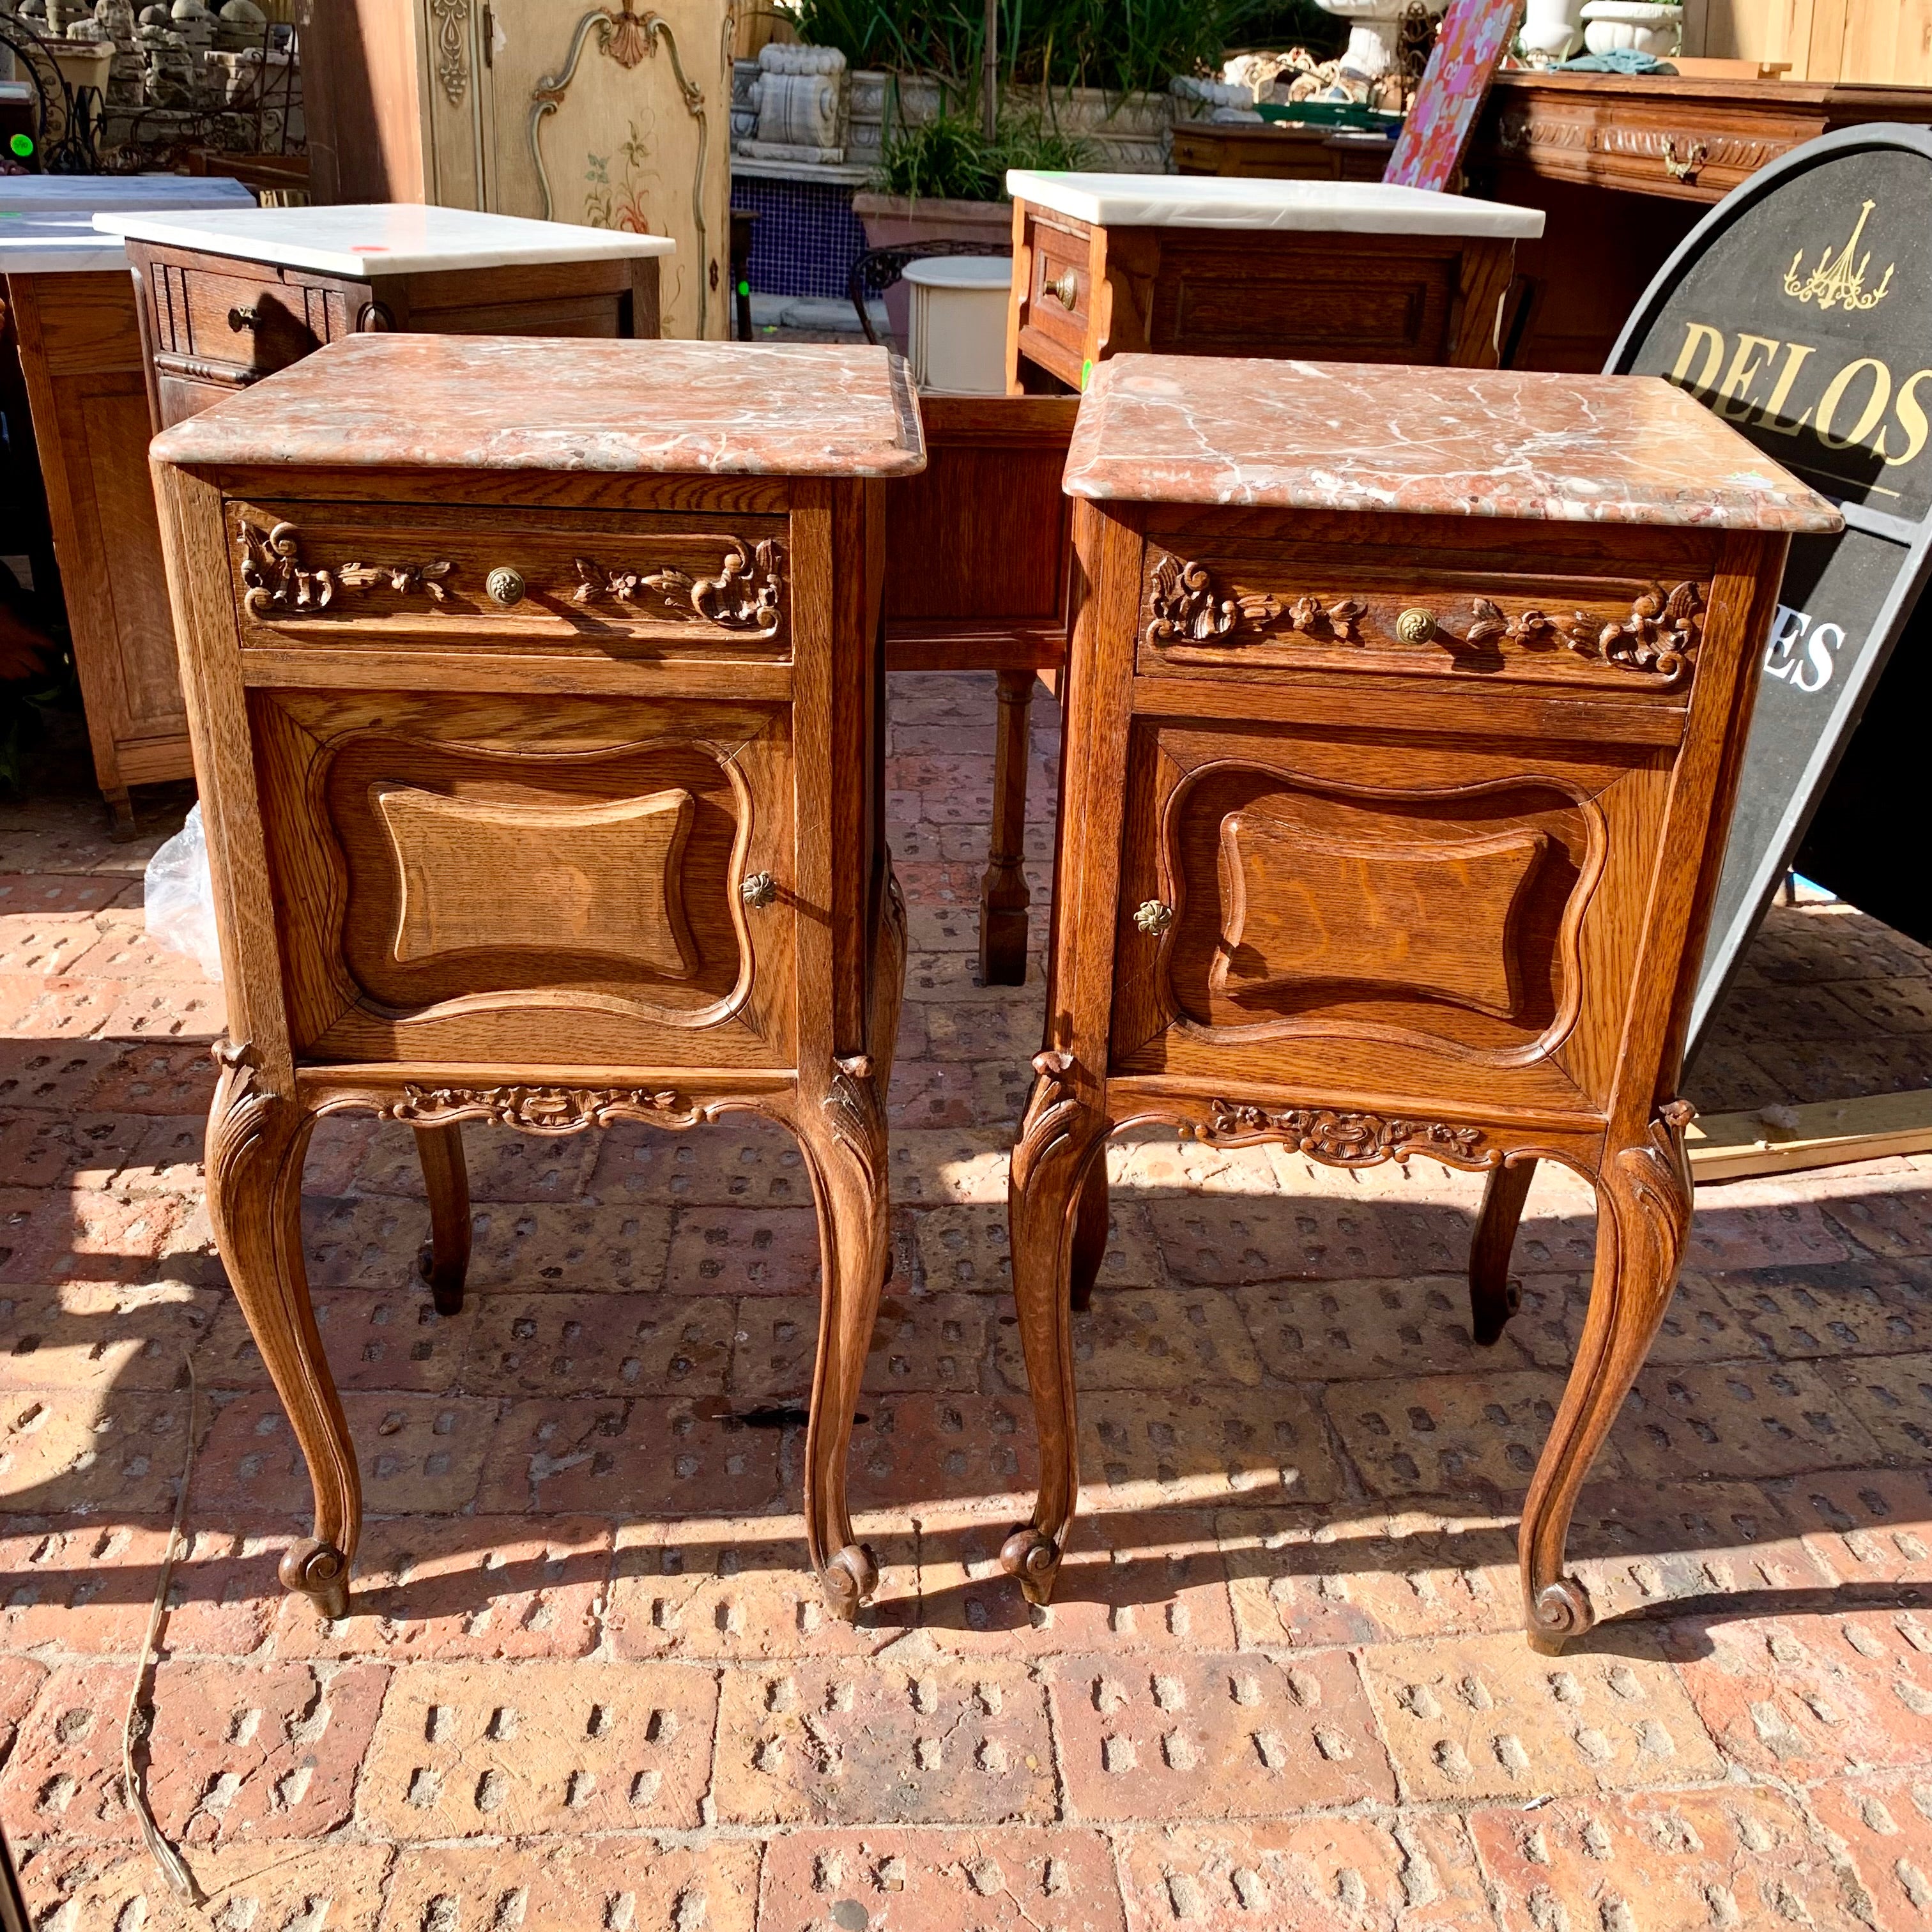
1108,264
1403,720
537,697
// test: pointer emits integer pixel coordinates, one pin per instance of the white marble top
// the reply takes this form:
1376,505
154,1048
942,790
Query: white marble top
382,239
1215,201
46,221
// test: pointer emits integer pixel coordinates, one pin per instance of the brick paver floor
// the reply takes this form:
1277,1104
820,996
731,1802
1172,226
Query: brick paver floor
587,1687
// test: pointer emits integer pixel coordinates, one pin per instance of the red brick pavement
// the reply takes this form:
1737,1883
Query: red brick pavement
587,1683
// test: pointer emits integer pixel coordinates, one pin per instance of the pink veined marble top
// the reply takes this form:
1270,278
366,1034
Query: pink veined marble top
1471,442
488,402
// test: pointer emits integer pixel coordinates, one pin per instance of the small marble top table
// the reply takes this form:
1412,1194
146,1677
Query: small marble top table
221,296
70,307
539,720
1205,266
1403,723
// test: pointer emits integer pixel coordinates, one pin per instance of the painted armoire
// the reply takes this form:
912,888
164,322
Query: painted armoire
616,115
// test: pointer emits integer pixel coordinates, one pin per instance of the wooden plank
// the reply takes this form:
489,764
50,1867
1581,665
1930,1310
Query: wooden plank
1827,1133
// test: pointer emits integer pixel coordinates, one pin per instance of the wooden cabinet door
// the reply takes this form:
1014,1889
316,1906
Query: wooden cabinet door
1382,913
459,877
621,117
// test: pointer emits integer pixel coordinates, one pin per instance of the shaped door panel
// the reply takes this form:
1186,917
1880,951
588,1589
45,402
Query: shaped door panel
466,878
1399,916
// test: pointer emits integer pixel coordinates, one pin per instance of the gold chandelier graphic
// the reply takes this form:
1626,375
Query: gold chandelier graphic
1836,283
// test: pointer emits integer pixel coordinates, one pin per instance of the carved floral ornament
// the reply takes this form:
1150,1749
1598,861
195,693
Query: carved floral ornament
747,594
452,64
1346,1138
1659,636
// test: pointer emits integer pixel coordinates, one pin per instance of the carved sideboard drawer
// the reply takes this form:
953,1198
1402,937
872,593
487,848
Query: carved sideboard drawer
397,827
637,586
243,325
1231,611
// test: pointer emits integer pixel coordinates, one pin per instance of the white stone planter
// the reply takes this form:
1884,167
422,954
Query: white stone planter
1609,25
1131,133
1552,27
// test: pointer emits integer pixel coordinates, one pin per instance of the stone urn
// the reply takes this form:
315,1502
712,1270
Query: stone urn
1643,28
1552,28
1373,26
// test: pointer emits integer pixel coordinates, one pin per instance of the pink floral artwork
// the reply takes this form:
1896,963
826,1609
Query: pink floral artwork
1471,44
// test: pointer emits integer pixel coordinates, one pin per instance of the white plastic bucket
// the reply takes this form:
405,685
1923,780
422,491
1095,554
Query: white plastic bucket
957,338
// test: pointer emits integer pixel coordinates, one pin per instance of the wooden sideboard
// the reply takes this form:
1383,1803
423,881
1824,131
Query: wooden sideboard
1623,166
1403,717
539,718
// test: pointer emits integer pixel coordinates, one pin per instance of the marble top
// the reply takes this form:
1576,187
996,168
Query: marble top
1469,443
492,402
1216,201
46,221
381,239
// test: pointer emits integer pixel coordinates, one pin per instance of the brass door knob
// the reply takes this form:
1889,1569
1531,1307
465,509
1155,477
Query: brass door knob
1415,626
1067,289
239,319
505,585
1153,917
760,889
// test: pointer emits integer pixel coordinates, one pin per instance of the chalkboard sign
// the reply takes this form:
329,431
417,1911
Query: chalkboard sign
1800,311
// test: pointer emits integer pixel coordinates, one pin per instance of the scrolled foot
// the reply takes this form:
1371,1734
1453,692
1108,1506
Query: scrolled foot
445,1285
1035,1560
1562,1610
319,1571
850,1577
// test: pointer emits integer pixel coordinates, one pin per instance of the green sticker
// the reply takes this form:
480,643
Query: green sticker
1086,372
23,145
744,288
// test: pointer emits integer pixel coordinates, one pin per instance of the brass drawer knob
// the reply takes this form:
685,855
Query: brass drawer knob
1067,289
239,319
1153,918
504,585
760,889
1415,626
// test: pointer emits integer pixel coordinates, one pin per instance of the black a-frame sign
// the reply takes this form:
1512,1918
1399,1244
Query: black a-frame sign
1800,311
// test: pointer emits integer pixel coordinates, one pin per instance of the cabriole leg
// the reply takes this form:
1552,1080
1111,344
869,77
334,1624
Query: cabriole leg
843,1135
1493,1296
445,1258
1643,1215
1062,1137
256,1140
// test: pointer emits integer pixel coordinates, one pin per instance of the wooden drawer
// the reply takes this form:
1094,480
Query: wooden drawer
627,584
401,830
1056,333
248,322
1233,610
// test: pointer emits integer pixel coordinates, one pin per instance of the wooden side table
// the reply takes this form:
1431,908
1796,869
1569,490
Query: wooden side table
1107,265
1402,726
537,701
221,298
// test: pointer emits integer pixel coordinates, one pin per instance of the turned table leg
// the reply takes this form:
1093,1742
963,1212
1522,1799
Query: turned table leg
256,1140
1004,897
444,1260
1643,1216
842,1133
1061,1138
1493,1295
